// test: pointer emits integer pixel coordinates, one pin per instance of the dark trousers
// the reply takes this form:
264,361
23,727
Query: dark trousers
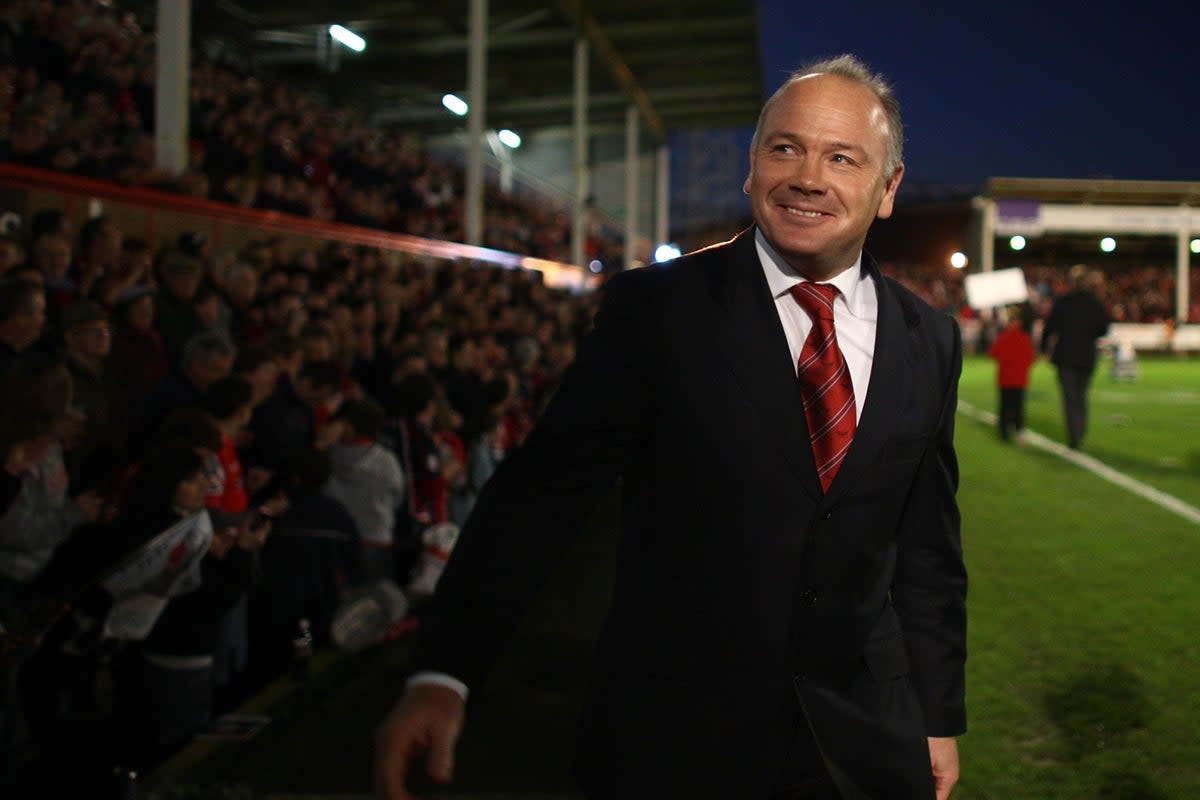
1012,412
1073,383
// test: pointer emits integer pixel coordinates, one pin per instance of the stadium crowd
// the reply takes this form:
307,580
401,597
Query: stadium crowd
325,405
77,84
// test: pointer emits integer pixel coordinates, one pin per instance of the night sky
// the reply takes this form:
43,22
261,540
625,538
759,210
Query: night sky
1029,89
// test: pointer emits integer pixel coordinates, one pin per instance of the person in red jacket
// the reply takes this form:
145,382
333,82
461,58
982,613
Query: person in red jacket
1014,355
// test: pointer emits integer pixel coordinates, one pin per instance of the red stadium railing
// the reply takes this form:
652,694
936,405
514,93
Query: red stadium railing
161,216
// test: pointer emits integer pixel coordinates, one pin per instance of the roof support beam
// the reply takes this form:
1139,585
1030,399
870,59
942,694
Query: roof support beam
620,72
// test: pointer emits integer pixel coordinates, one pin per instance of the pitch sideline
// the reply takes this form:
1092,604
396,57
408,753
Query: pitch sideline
1094,466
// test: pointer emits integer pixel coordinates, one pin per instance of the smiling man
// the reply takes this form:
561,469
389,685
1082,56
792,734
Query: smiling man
789,615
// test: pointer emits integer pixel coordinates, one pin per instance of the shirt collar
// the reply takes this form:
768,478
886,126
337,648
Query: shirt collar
781,276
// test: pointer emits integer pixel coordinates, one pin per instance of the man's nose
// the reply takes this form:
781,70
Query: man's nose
809,176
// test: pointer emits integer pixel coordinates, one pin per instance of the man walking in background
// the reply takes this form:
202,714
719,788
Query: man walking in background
1076,321
789,615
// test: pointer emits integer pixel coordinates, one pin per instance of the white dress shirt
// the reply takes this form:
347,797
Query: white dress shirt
855,314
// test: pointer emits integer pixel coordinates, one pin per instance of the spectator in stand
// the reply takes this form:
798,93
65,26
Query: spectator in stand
166,682
1014,354
210,310
285,312
314,552
51,253
134,270
207,358
139,358
484,456
318,343
502,401
367,479
417,398
464,388
99,253
241,292
101,450
320,385
175,316
38,513
282,427
1076,322
258,365
230,402
22,316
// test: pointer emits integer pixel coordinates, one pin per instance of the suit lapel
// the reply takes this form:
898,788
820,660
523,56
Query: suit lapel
750,339
889,388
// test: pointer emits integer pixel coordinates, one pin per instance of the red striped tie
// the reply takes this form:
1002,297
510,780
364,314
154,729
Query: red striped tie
825,386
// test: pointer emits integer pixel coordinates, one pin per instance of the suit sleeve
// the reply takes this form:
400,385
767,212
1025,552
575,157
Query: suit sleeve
930,586
541,495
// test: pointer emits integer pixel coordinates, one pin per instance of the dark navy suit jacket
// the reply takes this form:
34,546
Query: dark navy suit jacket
746,600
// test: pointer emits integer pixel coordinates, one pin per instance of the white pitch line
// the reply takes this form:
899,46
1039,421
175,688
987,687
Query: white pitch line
1096,467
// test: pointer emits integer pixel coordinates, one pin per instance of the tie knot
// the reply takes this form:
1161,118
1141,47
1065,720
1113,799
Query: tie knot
815,298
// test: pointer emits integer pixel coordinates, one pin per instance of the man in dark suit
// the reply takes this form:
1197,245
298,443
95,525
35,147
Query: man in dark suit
1076,321
789,614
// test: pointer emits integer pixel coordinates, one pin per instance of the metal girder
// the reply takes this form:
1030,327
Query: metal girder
603,48
680,63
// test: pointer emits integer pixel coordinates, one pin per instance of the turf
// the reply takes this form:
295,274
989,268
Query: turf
1082,680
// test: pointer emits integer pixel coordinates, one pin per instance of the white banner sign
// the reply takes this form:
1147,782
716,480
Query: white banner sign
998,288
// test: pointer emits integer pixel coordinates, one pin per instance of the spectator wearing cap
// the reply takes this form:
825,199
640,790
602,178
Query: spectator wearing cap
22,316
175,316
101,449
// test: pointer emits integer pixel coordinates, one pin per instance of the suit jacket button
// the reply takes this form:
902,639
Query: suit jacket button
809,597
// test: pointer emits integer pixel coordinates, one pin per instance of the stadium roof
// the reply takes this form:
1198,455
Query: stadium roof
686,63
1096,191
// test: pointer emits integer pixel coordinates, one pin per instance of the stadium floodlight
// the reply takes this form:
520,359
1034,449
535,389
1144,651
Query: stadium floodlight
1195,245
509,139
666,252
1108,244
348,38
1017,243
958,260
455,104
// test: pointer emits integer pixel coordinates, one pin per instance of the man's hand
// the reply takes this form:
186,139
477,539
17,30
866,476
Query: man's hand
428,718
943,757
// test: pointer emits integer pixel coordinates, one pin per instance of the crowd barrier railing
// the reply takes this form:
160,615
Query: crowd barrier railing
158,216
